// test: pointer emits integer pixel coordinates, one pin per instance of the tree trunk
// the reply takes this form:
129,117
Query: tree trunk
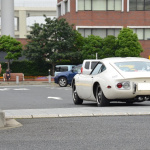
53,69
8,64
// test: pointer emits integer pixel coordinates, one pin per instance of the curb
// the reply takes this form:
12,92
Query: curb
2,119
75,112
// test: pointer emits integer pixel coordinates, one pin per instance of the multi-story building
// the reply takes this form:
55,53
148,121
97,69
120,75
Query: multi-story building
108,17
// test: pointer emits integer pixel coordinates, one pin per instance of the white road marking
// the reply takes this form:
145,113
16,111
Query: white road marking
5,89
57,98
24,89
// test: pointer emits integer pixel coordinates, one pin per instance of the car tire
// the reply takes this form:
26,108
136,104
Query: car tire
62,82
100,97
76,99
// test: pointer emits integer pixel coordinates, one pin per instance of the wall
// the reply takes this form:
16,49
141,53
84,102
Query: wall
110,18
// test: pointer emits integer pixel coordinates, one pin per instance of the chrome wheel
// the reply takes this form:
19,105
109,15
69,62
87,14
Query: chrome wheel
62,82
99,96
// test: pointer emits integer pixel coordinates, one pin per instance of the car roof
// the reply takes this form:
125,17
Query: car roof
64,65
123,59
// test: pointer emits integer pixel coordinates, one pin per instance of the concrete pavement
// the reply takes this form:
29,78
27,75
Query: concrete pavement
77,112
2,83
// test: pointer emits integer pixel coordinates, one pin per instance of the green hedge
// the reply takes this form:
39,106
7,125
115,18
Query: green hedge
29,68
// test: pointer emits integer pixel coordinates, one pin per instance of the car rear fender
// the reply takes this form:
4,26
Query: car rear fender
94,88
102,85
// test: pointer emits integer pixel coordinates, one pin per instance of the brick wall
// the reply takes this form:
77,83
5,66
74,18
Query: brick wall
22,40
110,18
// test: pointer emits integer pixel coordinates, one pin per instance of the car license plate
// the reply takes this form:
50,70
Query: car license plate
143,86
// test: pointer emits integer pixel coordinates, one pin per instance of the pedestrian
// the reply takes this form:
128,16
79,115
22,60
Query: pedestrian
8,74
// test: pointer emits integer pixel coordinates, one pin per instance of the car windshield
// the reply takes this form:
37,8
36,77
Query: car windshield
133,66
77,69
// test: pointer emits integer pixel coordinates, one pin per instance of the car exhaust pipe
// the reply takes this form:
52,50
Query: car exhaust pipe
140,99
143,98
146,98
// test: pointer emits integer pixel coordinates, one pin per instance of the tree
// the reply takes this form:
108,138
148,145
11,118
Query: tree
54,40
12,47
109,46
92,45
35,48
128,44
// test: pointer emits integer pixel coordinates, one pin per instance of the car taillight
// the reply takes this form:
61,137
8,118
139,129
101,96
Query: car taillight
123,85
119,85
81,69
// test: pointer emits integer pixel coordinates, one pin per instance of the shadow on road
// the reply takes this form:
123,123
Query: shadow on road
117,104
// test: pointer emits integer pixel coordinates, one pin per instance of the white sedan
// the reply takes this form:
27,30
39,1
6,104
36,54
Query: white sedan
114,79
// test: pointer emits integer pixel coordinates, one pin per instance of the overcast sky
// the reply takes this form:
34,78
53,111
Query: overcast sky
35,3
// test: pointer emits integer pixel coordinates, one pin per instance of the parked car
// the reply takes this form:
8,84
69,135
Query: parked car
65,78
114,79
62,68
88,65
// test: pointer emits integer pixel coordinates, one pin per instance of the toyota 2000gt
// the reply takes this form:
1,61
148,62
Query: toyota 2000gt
114,79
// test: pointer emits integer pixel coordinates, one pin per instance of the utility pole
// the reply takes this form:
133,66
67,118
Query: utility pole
7,17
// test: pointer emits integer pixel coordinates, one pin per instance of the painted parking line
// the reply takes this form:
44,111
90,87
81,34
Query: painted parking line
21,89
5,89
56,98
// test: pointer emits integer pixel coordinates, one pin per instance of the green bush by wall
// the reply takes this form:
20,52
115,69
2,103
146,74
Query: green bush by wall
29,68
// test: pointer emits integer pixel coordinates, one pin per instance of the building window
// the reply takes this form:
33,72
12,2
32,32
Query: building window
104,5
59,10
66,6
139,5
102,32
143,34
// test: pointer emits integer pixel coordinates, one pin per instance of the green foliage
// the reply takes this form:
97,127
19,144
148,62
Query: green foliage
125,45
55,40
29,68
4,67
109,46
128,44
92,45
11,46
35,49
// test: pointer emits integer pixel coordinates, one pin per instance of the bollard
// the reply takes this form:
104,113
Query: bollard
49,78
17,79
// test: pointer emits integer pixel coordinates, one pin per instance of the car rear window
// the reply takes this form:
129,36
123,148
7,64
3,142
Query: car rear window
133,66
93,64
61,69
87,64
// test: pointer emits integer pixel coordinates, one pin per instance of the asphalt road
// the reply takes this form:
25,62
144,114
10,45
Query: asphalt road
79,133
35,97
85,133
45,97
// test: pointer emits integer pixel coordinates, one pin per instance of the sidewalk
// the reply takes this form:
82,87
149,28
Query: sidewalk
76,112
2,83
28,82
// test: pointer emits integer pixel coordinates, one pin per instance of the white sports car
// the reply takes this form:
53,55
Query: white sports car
114,79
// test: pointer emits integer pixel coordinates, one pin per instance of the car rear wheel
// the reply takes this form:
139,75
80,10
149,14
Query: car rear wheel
100,97
62,82
75,96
